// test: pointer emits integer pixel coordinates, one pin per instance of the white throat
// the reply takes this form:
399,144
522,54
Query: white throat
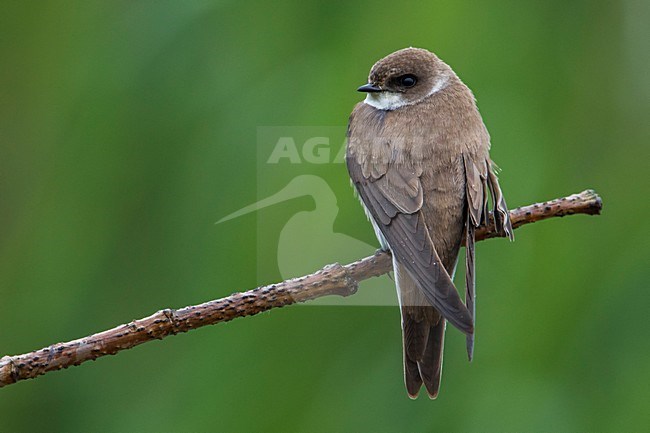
394,100
386,100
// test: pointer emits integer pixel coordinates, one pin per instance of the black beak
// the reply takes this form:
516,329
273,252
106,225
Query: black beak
369,88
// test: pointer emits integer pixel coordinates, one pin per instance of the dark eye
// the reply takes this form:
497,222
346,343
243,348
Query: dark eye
407,80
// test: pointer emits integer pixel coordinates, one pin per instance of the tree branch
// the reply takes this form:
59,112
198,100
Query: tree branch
333,279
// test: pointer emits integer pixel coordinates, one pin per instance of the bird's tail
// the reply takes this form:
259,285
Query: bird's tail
423,347
423,334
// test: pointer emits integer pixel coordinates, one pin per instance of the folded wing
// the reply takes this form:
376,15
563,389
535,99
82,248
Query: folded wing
392,194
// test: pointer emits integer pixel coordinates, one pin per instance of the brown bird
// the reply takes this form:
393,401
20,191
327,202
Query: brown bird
418,157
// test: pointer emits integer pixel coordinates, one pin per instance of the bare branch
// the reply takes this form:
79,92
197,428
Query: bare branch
331,280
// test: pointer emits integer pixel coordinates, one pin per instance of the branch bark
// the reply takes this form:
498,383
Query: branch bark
333,279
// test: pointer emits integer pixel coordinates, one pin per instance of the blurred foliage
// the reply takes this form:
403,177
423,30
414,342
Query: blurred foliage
127,128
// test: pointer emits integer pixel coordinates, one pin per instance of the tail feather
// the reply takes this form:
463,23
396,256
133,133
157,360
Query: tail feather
423,348
412,377
423,333
431,363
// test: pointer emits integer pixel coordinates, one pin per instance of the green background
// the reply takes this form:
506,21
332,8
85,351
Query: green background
127,128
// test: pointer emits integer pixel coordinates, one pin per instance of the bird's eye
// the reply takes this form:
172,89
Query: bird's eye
407,80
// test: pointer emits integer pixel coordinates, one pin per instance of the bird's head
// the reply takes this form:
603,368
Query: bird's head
405,77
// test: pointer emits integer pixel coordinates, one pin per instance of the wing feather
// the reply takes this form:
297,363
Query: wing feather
476,193
501,214
470,281
480,179
394,200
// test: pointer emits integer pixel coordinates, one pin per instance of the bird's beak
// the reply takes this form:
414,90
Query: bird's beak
369,88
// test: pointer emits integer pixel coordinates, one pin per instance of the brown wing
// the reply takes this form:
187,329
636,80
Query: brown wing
476,211
393,197
479,179
501,215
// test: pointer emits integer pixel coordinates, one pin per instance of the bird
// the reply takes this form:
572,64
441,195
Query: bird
418,158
